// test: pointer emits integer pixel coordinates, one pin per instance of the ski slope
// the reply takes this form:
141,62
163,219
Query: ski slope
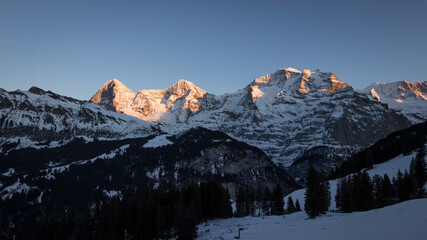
406,220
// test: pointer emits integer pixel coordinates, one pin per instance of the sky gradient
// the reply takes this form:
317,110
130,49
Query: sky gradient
74,47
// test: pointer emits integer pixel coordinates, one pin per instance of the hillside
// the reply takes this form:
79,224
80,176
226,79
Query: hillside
390,168
39,118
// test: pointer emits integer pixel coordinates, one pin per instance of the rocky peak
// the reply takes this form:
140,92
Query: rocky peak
292,81
409,98
399,90
36,90
281,75
181,88
417,90
336,84
289,69
114,83
112,94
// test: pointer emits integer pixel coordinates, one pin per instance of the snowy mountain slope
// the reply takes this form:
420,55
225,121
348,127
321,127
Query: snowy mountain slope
286,114
406,220
133,166
34,116
409,98
391,167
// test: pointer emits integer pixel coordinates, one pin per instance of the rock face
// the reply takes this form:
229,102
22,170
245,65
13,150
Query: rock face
409,98
34,116
286,114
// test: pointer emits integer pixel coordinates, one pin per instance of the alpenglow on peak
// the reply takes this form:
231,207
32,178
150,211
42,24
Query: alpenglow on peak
149,105
307,108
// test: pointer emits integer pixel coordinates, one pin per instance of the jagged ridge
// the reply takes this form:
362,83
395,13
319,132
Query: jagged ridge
285,114
34,116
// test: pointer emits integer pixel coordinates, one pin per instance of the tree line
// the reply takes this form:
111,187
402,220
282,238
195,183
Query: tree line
400,142
263,202
162,214
156,215
360,192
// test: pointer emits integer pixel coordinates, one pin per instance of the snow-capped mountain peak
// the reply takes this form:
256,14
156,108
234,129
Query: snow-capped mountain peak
112,95
292,81
290,69
409,98
183,87
149,105
114,84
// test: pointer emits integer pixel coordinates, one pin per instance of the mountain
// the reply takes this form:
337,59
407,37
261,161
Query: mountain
42,118
149,105
409,98
293,116
79,174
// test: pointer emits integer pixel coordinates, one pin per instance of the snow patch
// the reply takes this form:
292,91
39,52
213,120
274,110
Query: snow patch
9,172
59,169
113,193
17,187
40,197
158,141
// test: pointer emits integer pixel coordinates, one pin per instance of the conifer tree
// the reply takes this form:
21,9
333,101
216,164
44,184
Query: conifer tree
186,222
266,203
241,203
407,187
317,195
387,191
418,170
278,203
344,198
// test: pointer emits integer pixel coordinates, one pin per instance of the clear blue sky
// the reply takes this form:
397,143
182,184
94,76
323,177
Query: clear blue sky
74,47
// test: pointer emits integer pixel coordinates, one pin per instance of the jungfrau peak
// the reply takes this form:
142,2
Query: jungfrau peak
299,118
294,81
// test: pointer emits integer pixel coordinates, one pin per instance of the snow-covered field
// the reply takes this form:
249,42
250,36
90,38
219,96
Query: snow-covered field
407,220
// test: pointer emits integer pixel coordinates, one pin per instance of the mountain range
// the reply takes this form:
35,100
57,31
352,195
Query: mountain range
59,154
298,118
